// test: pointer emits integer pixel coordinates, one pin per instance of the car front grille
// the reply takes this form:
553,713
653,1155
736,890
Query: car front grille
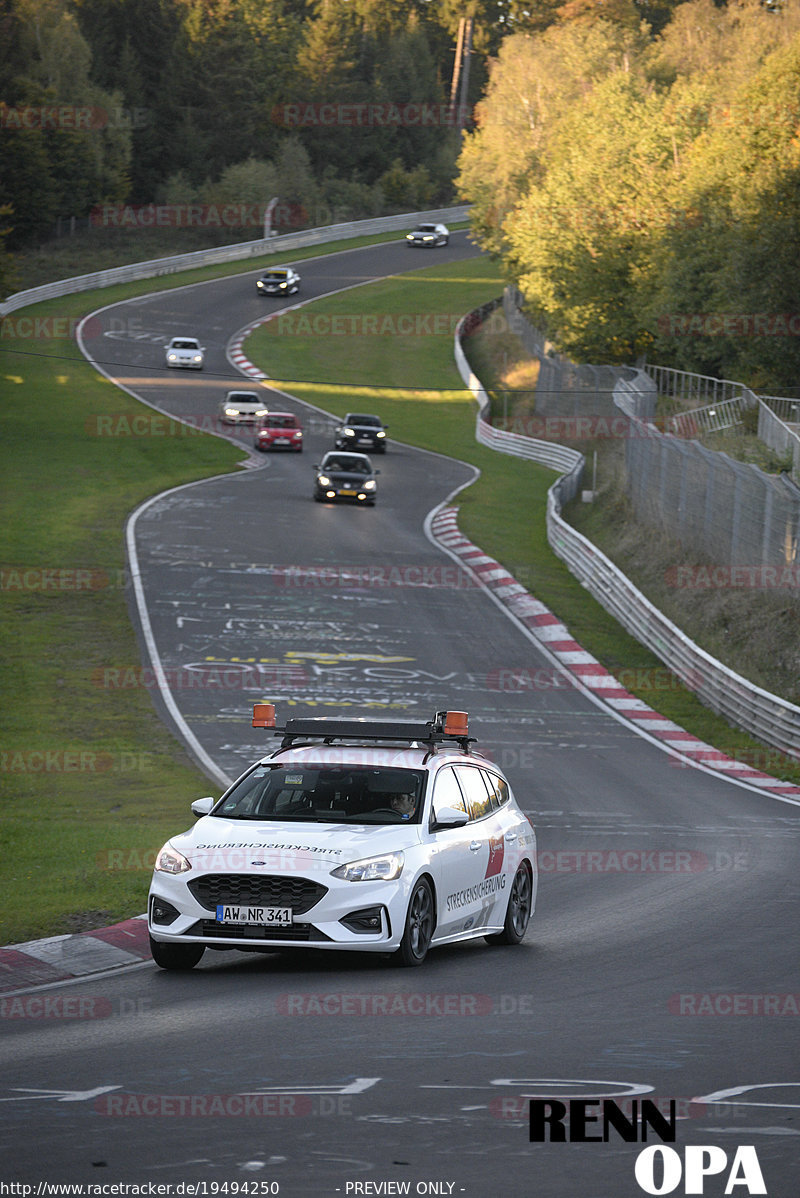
256,890
209,929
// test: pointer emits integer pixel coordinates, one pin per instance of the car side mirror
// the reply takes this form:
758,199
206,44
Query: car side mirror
202,806
376,471
450,817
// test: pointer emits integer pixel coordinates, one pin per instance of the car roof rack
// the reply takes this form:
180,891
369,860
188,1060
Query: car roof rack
445,726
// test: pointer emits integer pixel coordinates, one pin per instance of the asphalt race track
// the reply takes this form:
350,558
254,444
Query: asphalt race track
661,962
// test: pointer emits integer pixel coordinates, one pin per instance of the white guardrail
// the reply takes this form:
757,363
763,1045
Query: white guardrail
228,253
767,717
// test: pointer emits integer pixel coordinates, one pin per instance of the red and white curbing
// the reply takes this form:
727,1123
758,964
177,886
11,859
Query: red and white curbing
63,958
587,671
237,356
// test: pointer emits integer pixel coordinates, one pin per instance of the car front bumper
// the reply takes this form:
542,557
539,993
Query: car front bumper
321,926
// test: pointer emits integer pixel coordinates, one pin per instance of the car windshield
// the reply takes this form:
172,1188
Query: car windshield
275,276
242,397
317,793
279,422
346,465
184,344
426,229
370,421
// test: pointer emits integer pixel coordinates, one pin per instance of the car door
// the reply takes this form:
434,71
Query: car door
469,877
450,853
487,845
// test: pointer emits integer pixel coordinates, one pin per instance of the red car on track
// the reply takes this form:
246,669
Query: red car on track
279,430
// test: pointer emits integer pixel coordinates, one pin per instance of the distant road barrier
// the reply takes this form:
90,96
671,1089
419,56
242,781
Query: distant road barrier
767,717
228,253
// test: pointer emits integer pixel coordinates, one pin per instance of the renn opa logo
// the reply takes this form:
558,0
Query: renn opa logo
658,1169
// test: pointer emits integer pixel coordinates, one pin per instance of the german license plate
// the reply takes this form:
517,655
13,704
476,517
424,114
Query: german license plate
281,441
343,492
264,916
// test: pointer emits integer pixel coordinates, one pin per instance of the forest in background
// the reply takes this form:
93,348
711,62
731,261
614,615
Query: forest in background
341,108
633,164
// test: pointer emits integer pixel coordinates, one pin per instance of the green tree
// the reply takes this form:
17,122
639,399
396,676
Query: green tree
581,239
533,82
733,262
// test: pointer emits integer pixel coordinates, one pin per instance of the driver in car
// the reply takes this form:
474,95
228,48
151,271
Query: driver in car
404,804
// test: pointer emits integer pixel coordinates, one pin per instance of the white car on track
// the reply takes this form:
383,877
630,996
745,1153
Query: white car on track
186,352
388,836
428,236
242,407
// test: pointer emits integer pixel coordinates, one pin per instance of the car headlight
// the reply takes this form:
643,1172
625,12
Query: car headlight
298,434
231,411
197,358
381,433
170,861
370,485
262,412
172,357
349,432
371,869
323,480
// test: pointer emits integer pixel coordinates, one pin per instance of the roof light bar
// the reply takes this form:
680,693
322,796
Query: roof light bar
446,725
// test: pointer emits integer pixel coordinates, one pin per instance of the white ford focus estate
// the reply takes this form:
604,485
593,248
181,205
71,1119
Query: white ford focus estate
389,836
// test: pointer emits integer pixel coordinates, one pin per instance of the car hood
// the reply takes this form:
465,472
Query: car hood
347,476
221,845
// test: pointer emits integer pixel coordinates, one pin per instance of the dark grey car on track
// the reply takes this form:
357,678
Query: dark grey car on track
348,476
